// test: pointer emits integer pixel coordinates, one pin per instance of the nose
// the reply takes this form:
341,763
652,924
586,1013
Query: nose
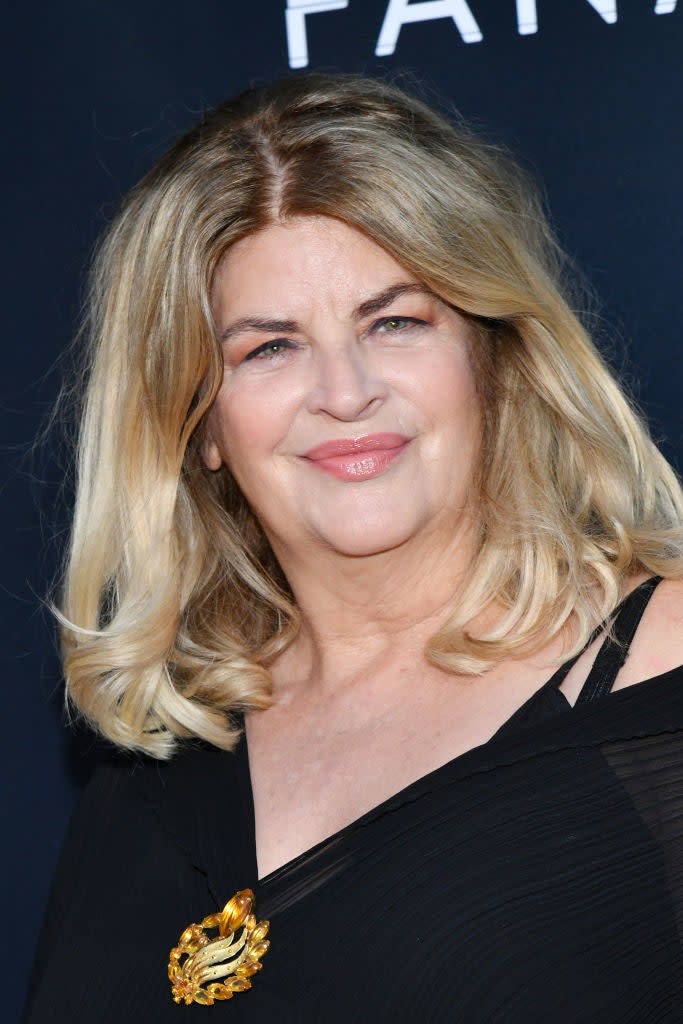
344,386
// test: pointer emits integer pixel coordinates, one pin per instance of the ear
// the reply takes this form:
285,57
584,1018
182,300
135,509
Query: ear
210,452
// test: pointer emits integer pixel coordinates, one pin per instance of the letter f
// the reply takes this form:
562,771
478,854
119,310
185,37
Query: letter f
295,22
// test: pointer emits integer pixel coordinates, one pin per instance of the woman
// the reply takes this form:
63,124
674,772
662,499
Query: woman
353,483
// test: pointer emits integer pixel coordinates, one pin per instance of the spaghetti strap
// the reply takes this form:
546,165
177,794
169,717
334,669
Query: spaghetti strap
615,648
614,651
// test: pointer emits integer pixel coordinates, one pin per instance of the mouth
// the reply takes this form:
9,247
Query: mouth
358,458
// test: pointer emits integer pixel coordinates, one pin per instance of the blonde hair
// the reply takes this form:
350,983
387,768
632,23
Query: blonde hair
173,603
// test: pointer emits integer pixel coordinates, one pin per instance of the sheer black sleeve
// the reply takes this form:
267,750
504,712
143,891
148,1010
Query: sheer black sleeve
122,891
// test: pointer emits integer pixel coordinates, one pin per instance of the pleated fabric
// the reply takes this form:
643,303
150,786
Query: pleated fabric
537,877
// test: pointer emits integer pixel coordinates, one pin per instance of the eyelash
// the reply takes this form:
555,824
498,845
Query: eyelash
411,320
265,351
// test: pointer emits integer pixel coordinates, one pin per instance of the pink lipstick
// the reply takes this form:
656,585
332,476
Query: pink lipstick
358,458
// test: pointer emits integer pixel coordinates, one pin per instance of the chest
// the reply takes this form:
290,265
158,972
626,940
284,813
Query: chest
491,896
310,778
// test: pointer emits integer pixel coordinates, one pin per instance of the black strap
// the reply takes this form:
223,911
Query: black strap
614,651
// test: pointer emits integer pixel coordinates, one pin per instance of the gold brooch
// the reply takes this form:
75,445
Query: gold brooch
198,959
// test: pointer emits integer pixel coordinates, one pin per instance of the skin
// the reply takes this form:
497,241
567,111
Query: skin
374,565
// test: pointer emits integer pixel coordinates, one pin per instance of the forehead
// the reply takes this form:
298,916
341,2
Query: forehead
303,262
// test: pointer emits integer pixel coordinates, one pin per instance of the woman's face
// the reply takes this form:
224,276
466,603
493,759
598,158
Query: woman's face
348,413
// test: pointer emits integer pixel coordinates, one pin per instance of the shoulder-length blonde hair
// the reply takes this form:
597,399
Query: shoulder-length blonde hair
173,603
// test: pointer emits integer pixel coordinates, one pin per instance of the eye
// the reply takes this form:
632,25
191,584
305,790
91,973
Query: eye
396,324
270,349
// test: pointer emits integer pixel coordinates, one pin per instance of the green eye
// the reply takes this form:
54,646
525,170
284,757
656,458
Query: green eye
269,349
395,324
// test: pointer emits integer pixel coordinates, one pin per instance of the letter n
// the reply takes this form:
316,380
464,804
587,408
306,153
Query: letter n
527,18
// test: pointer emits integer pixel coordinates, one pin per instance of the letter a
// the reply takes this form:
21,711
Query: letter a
401,12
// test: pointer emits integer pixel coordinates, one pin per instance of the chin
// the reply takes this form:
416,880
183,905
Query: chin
363,538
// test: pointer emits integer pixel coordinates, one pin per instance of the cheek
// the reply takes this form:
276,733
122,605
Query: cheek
250,422
442,387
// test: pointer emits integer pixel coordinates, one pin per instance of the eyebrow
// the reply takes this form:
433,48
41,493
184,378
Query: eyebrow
371,305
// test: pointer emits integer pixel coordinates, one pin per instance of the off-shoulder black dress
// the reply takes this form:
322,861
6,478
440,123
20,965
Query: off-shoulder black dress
535,878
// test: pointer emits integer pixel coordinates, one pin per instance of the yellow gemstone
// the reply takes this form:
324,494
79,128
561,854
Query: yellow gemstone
247,969
238,984
219,991
236,911
260,931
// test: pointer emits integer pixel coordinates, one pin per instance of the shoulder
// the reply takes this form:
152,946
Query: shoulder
130,795
658,644
124,889
117,807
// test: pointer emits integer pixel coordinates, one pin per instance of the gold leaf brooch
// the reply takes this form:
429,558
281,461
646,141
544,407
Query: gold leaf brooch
234,954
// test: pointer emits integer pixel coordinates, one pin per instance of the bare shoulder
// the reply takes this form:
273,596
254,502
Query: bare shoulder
658,644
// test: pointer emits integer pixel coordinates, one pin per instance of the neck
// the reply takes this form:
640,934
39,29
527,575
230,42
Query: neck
362,614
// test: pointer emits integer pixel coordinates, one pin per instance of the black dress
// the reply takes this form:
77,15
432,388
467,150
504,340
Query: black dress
535,878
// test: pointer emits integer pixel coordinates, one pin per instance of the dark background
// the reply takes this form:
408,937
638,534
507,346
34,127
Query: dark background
95,92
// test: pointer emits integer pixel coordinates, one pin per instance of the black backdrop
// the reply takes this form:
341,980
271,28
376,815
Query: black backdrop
590,101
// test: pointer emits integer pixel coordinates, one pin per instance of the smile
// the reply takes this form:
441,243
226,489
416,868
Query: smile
360,458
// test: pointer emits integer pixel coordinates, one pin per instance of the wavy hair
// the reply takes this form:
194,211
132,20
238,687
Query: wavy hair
173,603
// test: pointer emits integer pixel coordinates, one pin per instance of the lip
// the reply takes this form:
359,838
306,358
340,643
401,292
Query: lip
359,458
356,446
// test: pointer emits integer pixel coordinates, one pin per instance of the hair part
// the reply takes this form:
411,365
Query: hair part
173,602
